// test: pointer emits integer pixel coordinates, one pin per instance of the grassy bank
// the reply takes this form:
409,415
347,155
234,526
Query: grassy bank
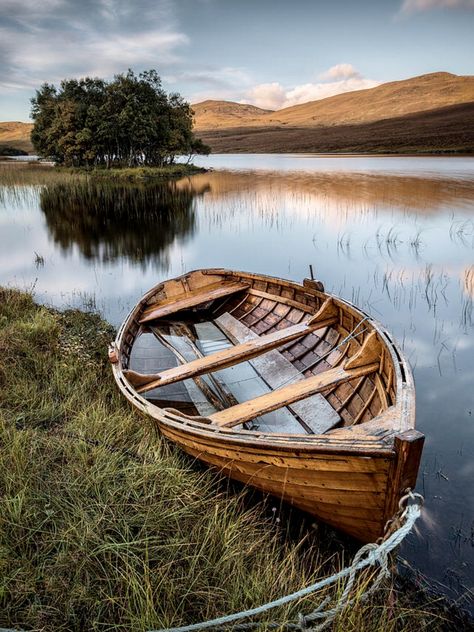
105,526
137,174
14,173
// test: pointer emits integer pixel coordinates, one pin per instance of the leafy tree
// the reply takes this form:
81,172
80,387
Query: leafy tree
129,121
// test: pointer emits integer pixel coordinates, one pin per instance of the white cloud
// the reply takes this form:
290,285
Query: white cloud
417,6
274,96
340,71
30,7
269,96
38,60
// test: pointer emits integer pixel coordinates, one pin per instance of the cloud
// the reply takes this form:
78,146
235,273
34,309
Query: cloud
340,71
46,40
269,96
274,96
417,6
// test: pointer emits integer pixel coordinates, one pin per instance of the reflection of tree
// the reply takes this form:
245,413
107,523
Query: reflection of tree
112,221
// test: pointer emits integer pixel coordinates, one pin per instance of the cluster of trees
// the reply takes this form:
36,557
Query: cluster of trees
129,121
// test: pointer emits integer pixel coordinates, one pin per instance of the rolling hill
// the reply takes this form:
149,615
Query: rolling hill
444,130
16,134
217,114
430,113
388,100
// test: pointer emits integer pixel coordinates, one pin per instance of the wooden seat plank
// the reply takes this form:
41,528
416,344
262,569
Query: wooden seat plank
315,412
244,382
191,299
288,394
225,358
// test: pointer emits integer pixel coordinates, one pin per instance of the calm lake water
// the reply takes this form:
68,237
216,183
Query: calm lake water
395,235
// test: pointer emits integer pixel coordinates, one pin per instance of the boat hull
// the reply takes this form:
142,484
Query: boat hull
349,487
350,477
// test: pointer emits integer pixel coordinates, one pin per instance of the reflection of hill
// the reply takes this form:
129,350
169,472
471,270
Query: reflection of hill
109,221
335,191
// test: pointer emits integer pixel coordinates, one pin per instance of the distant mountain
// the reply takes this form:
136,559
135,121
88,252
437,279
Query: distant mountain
211,114
394,99
16,134
443,130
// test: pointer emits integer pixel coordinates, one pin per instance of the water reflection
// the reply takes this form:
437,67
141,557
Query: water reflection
400,245
339,191
109,222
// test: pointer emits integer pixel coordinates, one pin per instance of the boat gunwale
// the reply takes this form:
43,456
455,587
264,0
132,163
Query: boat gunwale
402,412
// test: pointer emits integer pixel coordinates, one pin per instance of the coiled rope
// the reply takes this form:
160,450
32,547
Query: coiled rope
372,554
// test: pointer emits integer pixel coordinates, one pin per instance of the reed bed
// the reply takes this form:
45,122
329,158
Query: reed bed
16,173
13,173
105,526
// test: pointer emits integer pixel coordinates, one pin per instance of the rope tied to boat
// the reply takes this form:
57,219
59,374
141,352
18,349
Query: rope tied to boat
372,554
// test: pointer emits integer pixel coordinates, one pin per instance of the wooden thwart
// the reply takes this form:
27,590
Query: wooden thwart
228,357
317,415
288,394
191,299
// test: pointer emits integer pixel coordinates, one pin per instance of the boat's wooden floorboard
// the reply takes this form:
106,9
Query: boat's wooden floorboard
244,382
225,357
149,356
315,412
287,395
355,401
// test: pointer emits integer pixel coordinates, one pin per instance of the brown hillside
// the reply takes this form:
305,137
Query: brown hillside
394,99
449,129
16,134
211,114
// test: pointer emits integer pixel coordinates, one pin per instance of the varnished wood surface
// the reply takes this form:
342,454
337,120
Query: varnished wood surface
287,395
346,492
191,299
350,477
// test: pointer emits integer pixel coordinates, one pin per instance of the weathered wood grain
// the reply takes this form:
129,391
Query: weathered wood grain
287,395
191,299
222,359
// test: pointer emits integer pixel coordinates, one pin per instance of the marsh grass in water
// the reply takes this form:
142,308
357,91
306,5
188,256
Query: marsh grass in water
105,526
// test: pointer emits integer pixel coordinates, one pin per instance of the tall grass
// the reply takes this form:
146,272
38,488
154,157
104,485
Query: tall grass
13,173
105,526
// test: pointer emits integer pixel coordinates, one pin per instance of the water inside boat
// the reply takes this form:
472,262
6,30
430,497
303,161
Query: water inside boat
165,345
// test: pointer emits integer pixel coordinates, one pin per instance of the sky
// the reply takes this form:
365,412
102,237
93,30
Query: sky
270,53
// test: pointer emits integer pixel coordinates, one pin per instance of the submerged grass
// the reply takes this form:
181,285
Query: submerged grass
105,526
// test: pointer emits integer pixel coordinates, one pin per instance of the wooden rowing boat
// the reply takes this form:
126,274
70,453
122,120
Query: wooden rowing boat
279,385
